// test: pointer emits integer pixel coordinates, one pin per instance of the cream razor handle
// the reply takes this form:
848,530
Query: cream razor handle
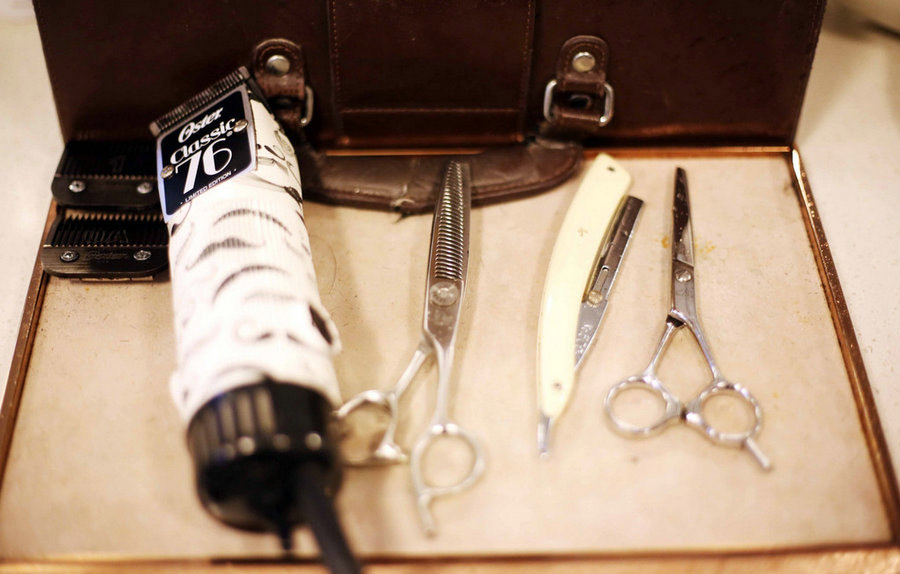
593,206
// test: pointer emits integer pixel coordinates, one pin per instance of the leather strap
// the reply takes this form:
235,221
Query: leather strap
408,183
570,78
578,105
279,71
403,183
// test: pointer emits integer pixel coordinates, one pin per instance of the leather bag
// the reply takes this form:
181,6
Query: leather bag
525,82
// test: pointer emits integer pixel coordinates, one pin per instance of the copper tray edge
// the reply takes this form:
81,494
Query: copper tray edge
15,381
866,560
619,151
853,361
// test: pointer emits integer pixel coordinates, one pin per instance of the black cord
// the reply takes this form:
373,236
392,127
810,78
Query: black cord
318,511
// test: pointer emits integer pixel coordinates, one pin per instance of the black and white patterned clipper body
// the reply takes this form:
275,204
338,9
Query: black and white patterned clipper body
254,380
244,288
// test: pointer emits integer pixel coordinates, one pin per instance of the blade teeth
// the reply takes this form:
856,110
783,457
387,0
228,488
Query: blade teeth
110,229
449,245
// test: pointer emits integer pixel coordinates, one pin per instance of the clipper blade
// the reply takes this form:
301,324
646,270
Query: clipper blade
106,245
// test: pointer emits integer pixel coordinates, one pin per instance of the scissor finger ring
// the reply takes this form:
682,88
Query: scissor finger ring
426,492
387,450
673,408
721,387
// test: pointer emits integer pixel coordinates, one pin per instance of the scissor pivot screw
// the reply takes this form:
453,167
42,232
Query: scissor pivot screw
444,294
683,275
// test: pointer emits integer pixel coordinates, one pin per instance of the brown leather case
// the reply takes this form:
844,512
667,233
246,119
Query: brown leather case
435,73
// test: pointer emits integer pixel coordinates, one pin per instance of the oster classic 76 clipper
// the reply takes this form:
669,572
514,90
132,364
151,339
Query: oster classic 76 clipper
254,381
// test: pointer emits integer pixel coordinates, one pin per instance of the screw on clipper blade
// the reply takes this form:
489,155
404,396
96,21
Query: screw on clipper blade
106,174
105,245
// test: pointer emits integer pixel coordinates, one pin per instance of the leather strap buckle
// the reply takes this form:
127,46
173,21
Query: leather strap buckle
308,100
608,103
279,70
579,100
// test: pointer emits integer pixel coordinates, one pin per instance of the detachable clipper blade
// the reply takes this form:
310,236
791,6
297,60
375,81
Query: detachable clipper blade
95,174
106,245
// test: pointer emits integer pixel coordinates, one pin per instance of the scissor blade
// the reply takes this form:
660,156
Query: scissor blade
449,257
599,286
684,306
450,229
682,237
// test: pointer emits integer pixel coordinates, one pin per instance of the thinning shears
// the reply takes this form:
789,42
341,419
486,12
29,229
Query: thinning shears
445,286
683,314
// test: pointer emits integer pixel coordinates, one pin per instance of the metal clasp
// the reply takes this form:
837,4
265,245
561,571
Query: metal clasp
307,107
608,101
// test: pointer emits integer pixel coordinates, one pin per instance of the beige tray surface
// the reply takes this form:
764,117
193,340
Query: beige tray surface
98,465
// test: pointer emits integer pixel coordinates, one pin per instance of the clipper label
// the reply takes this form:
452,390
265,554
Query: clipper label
205,149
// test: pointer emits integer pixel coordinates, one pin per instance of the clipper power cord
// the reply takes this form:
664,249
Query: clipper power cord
255,381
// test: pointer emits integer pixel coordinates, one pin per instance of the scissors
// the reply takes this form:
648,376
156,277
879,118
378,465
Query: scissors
447,267
683,314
